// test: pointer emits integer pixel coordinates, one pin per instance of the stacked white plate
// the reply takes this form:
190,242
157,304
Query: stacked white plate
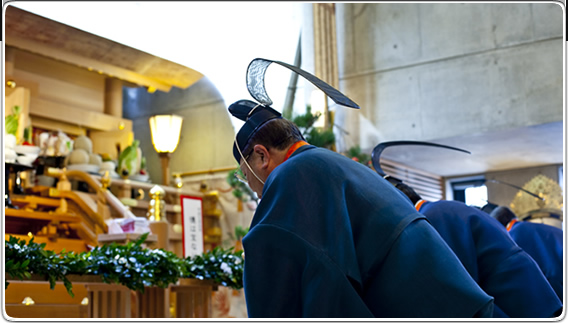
26,154
88,168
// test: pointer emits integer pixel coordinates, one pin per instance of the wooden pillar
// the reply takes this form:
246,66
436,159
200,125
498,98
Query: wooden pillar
125,190
9,61
165,161
154,302
162,230
113,97
110,301
325,49
193,298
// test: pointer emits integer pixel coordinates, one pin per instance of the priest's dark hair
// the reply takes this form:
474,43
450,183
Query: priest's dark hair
503,214
408,191
277,133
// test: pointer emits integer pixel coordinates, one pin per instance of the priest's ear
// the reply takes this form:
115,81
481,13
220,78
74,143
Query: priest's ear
263,155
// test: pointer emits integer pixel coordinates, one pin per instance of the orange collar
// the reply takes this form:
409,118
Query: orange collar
293,149
510,224
418,204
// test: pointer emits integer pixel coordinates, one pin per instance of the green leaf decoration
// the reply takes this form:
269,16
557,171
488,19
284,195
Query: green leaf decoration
130,265
240,232
307,120
316,136
28,134
356,154
11,121
128,157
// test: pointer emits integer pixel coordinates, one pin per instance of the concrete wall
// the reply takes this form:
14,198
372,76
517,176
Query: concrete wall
427,71
207,133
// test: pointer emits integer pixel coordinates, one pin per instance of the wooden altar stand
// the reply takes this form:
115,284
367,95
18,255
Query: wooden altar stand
96,299
193,298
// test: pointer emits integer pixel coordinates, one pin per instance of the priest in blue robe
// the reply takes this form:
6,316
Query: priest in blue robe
331,238
543,242
500,267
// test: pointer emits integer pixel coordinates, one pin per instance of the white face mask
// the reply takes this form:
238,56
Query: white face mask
246,163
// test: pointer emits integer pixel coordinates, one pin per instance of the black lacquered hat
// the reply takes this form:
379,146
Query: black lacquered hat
256,114
378,150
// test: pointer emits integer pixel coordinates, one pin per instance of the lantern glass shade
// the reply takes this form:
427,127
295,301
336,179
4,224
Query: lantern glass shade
165,130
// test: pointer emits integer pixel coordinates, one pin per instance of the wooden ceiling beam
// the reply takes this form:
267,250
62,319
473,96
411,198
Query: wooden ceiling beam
50,38
76,116
87,63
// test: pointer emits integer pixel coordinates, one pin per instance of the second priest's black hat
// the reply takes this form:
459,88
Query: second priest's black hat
378,150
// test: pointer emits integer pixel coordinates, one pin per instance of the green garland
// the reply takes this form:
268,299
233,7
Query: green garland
130,265
222,266
22,260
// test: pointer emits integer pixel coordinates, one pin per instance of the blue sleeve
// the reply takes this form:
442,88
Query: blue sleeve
284,277
521,288
544,244
501,268
423,278
509,274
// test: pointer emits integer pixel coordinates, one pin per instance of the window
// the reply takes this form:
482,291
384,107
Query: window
472,191
476,196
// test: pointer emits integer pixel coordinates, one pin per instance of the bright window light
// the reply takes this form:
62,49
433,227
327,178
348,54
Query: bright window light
476,196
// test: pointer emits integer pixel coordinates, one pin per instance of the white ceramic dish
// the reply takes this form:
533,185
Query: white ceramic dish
9,141
10,155
139,177
26,160
108,165
25,150
84,167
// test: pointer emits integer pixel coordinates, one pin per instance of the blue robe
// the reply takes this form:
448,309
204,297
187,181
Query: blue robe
331,238
500,267
544,244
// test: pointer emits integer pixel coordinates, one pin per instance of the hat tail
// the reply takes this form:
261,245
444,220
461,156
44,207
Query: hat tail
515,186
378,150
255,83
